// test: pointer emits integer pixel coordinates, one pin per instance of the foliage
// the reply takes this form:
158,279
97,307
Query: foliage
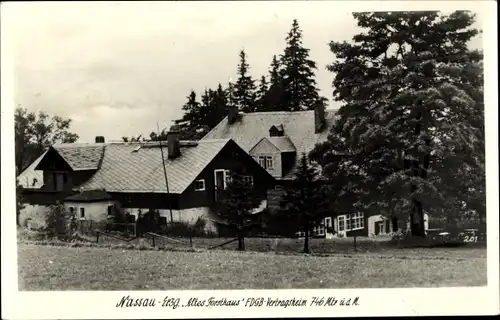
36,132
307,199
57,221
186,229
409,137
19,201
297,74
149,222
236,203
244,88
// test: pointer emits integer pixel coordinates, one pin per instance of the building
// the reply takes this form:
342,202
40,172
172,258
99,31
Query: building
91,179
276,140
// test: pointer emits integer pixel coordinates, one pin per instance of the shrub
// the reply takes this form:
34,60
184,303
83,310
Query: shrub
185,229
34,217
57,223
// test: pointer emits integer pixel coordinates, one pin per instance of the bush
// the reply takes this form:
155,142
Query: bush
34,217
57,223
185,229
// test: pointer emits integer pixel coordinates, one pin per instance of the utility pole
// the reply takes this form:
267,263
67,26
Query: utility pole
165,174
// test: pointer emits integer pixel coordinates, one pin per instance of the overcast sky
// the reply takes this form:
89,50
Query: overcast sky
118,68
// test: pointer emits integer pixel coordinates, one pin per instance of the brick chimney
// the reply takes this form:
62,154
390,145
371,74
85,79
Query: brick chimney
173,145
319,117
99,139
232,114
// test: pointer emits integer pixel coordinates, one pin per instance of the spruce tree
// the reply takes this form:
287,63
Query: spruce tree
236,203
261,103
410,132
297,74
307,199
244,89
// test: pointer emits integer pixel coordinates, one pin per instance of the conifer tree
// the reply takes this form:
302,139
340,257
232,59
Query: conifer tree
308,199
297,74
261,103
410,131
244,89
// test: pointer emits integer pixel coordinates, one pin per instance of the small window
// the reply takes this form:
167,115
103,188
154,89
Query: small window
269,163
82,213
128,198
262,162
110,210
248,180
199,185
72,210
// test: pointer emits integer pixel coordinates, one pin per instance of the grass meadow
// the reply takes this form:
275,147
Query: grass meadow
267,264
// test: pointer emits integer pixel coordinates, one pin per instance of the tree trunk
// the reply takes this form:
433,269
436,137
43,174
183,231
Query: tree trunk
306,241
241,242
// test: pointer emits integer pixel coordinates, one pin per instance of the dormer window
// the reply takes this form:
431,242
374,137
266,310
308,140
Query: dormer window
276,131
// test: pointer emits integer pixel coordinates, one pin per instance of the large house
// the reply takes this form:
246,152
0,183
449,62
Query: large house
91,179
276,140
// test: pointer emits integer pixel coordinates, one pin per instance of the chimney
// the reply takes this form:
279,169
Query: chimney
232,114
99,139
173,145
319,117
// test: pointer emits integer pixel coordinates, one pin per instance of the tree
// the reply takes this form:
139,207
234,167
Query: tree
297,74
410,133
19,201
307,199
139,138
36,132
261,103
191,123
236,204
244,89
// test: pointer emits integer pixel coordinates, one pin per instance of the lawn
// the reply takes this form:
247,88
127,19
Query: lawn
44,267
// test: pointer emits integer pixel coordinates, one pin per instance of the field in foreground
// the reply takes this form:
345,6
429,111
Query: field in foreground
85,268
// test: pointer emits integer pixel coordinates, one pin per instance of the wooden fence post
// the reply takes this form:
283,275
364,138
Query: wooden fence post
191,241
355,243
153,240
97,240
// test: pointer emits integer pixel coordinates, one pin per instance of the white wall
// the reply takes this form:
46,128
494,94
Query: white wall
95,211
185,215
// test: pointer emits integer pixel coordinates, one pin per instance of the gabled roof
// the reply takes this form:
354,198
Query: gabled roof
30,175
127,168
284,144
252,127
81,156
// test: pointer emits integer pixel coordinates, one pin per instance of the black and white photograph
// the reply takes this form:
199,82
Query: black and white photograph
225,147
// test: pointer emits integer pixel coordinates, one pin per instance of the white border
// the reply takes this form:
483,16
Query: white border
373,302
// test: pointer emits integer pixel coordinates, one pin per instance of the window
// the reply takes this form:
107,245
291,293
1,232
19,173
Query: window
72,210
357,221
319,230
248,179
328,222
199,185
351,222
228,177
128,198
82,213
262,162
110,210
269,163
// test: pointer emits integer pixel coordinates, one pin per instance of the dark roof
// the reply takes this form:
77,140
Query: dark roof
81,156
133,167
89,196
252,127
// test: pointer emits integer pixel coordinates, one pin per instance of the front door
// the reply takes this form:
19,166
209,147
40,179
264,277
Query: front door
219,182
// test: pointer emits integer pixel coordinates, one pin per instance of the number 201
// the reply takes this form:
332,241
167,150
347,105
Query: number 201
470,239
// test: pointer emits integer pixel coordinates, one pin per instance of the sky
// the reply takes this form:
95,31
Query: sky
116,69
